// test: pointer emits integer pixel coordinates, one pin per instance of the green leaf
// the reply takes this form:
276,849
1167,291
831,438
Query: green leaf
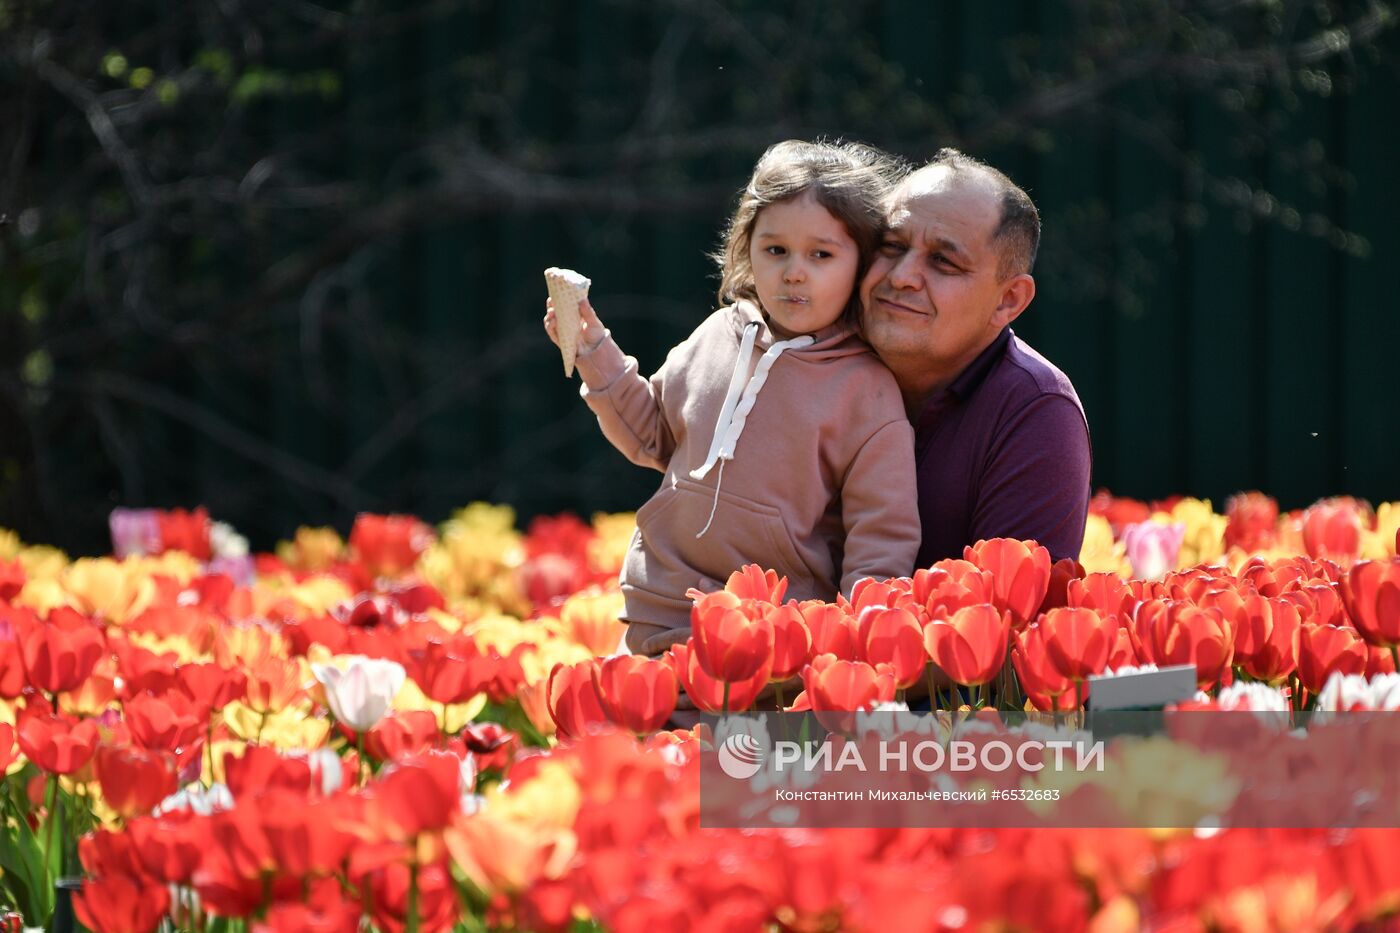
25,877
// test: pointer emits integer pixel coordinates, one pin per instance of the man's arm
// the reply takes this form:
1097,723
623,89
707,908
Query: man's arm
1036,481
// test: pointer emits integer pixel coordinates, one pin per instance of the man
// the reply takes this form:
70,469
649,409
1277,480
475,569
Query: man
1001,441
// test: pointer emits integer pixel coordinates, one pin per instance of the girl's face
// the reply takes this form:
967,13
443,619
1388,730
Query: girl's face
804,265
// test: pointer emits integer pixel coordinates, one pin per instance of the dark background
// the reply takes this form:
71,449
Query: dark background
283,258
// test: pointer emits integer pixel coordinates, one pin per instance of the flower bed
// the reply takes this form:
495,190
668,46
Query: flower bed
418,727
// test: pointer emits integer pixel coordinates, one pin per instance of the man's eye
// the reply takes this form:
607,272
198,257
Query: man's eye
891,246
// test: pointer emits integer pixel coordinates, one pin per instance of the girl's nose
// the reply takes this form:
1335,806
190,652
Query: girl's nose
794,271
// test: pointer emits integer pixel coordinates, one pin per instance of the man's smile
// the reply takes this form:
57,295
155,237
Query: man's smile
891,305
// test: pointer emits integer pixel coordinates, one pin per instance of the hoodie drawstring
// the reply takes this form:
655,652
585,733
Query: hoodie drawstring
738,402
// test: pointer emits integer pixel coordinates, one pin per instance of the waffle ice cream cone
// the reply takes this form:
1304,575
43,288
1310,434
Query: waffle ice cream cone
567,288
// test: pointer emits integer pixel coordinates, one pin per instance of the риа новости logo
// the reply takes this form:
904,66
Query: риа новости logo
741,756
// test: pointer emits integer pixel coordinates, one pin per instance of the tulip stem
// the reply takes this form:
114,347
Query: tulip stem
412,920
52,798
360,750
778,696
726,698
209,748
1395,658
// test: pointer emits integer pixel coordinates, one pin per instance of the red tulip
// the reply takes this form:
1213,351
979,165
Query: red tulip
833,631
1104,592
437,905
753,582
1266,637
792,641
417,795
56,744
1171,632
1327,649
457,670
165,723
388,545
313,838
274,684
134,780
971,646
1047,688
639,694
1252,520
186,531
708,693
1079,641
12,577
893,637
260,769
733,639
846,686
8,752
1332,530
401,734
60,652
168,848
211,686
1372,594
1020,571
117,904
950,585
573,699
1062,572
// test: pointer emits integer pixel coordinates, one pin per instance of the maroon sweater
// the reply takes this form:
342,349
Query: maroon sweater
1003,452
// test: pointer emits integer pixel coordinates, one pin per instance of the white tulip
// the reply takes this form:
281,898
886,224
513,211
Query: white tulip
359,694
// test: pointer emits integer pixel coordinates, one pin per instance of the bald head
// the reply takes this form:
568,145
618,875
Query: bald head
1016,235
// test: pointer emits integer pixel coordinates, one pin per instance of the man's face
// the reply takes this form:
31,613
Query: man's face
932,296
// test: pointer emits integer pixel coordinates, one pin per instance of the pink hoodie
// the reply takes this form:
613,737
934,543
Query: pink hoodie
801,460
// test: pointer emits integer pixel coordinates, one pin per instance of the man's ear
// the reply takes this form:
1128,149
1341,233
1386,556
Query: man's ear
1016,295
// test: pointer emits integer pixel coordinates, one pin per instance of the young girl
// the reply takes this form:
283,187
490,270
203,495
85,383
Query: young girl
782,437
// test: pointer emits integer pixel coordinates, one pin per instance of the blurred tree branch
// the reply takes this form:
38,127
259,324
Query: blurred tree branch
208,200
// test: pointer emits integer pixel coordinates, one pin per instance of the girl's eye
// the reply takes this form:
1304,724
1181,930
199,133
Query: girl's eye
774,250
822,254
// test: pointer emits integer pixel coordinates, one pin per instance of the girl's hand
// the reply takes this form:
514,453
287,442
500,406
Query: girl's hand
591,333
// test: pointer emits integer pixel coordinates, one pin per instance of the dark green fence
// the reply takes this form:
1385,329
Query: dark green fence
1214,276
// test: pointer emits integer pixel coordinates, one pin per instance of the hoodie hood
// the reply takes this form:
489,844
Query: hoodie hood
837,340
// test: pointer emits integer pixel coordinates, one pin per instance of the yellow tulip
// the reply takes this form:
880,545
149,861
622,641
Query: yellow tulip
184,651
320,593
290,728
44,594
591,618
1205,531
1380,544
1100,554
102,586
451,716
10,544
312,549
607,551
177,565
42,562
550,798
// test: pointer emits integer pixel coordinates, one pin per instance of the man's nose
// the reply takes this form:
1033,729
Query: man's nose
905,273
